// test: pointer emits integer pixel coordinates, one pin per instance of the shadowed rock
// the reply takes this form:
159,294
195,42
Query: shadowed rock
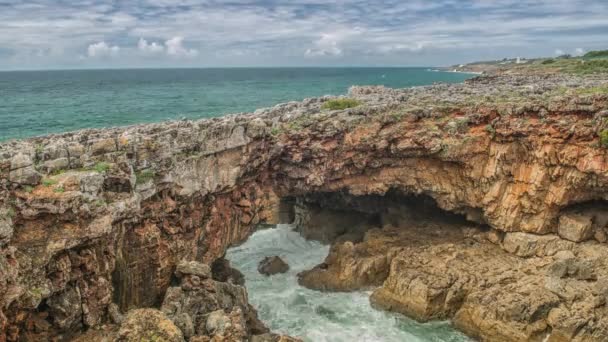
272,265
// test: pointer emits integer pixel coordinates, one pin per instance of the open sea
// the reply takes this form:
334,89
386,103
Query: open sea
35,103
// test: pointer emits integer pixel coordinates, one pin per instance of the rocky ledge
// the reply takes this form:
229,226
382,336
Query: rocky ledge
99,226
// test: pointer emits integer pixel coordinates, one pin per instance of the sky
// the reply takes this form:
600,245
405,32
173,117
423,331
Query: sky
74,34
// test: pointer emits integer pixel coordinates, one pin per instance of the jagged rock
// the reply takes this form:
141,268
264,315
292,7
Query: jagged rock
272,265
193,268
187,190
23,171
575,228
148,325
222,271
191,304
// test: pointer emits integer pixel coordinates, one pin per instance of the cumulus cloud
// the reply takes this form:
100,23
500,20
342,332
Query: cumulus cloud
176,48
149,48
102,49
579,52
559,52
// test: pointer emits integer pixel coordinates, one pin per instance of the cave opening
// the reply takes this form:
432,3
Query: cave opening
328,216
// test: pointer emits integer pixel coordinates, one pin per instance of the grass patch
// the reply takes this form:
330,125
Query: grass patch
592,91
604,138
29,189
592,66
101,167
548,61
275,131
144,176
59,190
48,182
597,54
337,104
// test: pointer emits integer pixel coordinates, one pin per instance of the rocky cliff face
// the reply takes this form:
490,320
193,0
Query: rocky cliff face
95,223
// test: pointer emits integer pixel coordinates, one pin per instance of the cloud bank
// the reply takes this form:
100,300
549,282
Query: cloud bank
104,33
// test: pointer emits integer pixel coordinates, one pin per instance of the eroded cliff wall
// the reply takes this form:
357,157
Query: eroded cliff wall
99,218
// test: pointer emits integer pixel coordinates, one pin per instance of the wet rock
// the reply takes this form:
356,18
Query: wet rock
222,271
272,265
148,325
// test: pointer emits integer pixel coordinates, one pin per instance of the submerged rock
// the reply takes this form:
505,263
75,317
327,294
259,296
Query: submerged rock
272,265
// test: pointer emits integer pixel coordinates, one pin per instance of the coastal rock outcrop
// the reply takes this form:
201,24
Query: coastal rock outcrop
272,265
98,219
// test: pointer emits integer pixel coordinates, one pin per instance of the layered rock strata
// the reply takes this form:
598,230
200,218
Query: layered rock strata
97,221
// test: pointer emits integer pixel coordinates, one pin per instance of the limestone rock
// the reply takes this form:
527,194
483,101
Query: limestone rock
23,171
575,228
193,268
148,325
272,265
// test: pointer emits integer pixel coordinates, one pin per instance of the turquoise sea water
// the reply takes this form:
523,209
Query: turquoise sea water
40,102
289,308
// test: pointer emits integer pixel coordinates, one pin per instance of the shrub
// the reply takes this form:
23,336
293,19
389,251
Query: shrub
596,54
48,182
340,104
604,138
144,176
102,167
548,61
592,66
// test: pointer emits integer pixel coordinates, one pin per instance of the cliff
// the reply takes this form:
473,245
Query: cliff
95,223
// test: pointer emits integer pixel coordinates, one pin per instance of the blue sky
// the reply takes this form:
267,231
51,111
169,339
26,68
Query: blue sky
41,34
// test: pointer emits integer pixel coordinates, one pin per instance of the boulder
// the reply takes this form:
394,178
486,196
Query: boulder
193,268
575,228
23,171
272,265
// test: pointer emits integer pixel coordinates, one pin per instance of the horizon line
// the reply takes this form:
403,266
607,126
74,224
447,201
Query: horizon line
223,67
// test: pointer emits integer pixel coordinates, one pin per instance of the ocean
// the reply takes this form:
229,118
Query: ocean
34,103
313,316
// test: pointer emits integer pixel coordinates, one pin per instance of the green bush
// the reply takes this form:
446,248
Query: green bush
102,167
548,61
340,104
48,182
604,138
592,66
596,54
144,176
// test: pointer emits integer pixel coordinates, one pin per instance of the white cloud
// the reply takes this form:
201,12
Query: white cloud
149,48
579,52
559,52
176,48
102,49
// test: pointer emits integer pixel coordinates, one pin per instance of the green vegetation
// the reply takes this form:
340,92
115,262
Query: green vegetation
597,54
102,167
592,66
9,213
548,61
144,176
592,90
340,104
490,129
58,172
28,189
48,182
59,190
275,131
604,138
